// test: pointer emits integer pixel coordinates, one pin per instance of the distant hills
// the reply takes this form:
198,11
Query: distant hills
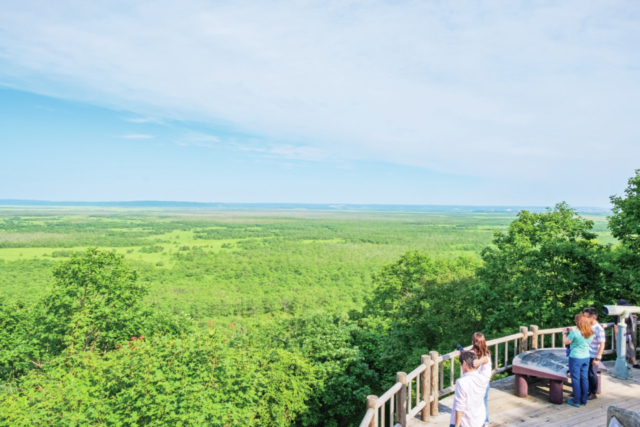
289,206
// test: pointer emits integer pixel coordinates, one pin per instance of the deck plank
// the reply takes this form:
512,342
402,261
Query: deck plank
505,409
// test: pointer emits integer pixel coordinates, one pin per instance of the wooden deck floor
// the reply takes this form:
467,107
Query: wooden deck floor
505,409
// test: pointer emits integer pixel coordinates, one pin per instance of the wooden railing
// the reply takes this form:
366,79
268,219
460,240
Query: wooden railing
404,400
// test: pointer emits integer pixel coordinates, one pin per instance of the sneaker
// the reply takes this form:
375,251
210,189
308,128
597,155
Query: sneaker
637,366
591,396
572,403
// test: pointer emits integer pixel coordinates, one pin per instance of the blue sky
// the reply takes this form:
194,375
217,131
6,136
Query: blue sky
476,103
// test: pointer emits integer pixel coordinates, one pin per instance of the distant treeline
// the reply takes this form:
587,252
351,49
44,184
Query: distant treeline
290,206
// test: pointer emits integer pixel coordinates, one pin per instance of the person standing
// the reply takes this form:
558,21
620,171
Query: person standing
483,363
579,340
630,338
596,348
468,408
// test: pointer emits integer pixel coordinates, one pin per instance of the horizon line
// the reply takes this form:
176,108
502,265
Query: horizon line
278,205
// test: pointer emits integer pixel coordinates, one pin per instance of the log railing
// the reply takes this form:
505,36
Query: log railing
437,374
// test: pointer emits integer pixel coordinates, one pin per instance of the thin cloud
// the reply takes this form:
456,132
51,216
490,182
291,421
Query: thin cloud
201,137
290,152
143,120
137,136
198,139
194,144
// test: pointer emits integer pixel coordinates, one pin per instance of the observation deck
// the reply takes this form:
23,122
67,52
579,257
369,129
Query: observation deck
505,409
424,396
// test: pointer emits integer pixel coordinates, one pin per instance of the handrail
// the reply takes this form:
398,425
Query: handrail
429,378
388,394
504,339
417,371
368,417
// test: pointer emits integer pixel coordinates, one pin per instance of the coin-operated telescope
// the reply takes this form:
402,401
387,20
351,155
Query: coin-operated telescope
620,370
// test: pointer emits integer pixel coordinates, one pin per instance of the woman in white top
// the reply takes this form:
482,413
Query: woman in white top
483,364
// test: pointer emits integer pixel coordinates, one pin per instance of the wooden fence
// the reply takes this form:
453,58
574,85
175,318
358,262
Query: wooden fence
420,390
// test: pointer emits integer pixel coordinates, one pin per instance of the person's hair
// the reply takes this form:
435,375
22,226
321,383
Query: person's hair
480,345
590,311
584,325
468,357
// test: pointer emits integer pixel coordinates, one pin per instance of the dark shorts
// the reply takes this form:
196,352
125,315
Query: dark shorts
631,348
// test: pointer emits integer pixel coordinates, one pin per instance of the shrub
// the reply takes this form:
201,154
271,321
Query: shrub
151,249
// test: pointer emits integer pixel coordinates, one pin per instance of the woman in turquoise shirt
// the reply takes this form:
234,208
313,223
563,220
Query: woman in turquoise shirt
578,340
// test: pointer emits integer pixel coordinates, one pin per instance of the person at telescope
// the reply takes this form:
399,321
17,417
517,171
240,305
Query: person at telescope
468,408
596,348
630,338
579,339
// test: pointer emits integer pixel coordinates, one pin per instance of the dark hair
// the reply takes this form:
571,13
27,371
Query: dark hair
590,311
468,357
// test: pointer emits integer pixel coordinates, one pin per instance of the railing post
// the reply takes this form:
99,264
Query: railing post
372,403
534,338
525,337
401,402
434,383
425,387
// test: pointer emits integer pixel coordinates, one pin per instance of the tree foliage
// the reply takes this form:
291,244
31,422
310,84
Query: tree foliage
95,302
79,357
342,377
419,304
544,269
193,380
625,221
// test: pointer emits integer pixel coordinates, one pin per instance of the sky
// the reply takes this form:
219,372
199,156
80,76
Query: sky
404,102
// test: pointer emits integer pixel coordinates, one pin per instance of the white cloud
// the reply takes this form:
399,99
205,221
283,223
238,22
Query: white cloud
143,120
198,139
137,136
490,88
201,137
287,151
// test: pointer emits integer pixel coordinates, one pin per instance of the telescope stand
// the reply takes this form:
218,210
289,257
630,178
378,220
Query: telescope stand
621,371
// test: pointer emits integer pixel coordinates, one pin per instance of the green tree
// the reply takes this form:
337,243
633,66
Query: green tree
412,272
342,378
19,343
625,226
95,302
543,270
625,221
200,379
419,304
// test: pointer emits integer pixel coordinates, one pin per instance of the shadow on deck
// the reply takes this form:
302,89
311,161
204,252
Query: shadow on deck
505,409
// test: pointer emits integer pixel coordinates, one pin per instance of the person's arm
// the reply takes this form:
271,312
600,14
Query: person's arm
602,341
460,402
566,340
459,418
599,355
482,361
